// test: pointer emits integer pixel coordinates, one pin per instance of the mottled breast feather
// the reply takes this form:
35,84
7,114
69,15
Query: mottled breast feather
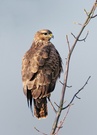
41,67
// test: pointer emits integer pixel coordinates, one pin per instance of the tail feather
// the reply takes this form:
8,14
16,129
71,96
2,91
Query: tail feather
29,98
40,108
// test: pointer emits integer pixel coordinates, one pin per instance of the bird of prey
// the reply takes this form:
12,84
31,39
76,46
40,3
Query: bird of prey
41,67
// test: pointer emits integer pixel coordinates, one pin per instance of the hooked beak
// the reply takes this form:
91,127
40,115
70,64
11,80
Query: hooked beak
51,36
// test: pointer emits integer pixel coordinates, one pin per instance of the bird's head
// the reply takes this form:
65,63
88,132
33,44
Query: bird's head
43,35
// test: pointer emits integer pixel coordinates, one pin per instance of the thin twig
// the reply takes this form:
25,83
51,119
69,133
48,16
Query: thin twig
78,97
67,69
75,95
52,105
68,43
86,12
81,39
56,104
61,82
61,122
78,23
69,86
94,16
39,131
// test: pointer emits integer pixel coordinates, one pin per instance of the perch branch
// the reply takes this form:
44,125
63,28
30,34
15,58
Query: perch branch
67,69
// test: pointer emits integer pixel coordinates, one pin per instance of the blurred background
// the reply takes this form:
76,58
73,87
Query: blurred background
19,21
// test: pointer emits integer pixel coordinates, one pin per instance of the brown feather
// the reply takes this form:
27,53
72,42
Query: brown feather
40,108
41,67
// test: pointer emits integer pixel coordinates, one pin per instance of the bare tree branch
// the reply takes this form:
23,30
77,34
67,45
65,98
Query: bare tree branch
68,42
63,84
77,23
94,16
67,68
75,95
39,131
61,122
52,105
68,86
81,39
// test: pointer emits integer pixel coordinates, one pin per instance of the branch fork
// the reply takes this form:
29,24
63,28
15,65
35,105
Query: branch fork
55,124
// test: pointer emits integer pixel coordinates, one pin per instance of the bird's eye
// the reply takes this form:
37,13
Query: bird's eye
45,33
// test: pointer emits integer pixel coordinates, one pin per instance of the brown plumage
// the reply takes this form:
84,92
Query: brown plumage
41,66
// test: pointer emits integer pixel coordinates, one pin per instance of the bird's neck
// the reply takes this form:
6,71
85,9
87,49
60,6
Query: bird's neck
39,43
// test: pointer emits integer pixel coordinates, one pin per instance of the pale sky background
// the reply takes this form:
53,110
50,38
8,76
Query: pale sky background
19,20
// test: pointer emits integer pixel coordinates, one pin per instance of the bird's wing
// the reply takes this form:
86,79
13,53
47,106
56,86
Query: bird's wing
41,66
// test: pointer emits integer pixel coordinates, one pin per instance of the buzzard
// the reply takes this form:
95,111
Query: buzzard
41,67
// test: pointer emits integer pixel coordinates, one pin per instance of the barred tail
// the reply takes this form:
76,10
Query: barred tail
40,108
